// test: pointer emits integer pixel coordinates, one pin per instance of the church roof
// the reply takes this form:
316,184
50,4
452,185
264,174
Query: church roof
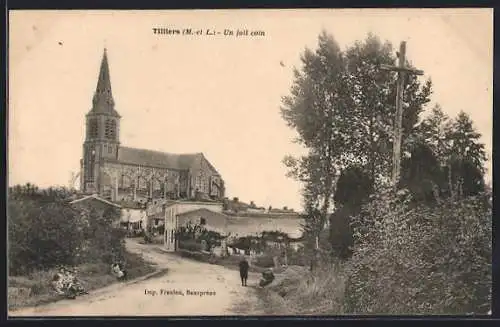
159,159
103,97
94,197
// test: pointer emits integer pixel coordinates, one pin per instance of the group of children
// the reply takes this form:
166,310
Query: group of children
66,283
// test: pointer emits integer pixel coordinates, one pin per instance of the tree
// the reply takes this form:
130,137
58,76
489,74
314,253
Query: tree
422,174
43,230
342,107
434,131
353,187
317,99
374,92
455,144
464,138
468,155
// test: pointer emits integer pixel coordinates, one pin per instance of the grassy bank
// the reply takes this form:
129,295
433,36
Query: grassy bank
296,291
34,289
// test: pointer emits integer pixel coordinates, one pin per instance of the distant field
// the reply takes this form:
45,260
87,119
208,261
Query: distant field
251,225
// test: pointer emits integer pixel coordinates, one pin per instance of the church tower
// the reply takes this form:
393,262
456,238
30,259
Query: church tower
102,132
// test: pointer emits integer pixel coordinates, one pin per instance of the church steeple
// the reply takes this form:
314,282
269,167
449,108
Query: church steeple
103,97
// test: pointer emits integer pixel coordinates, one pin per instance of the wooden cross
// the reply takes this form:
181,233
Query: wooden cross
401,69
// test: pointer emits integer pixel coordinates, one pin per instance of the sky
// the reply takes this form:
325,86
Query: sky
215,94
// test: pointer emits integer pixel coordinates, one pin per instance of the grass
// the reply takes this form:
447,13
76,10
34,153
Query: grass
34,290
296,291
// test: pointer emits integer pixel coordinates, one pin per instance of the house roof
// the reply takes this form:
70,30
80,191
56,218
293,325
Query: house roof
158,159
204,211
95,197
243,226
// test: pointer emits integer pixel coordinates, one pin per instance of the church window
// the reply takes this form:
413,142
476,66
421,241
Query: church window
90,164
142,183
110,149
126,183
93,128
110,129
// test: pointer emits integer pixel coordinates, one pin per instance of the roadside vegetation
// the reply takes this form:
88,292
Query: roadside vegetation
420,247
45,232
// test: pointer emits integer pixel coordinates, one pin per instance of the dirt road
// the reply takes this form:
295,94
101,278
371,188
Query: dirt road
189,288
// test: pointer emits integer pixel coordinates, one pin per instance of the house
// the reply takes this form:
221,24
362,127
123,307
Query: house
97,203
166,213
256,210
134,219
211,220
296,243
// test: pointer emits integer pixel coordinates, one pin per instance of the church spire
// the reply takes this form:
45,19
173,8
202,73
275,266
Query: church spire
103,97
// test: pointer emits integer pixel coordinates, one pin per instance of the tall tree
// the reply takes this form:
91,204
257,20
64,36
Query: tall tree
374,94
422,174
342,107
467,156
456,146
465,142
434,131
319,96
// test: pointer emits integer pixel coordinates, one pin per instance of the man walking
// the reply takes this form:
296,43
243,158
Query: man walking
244,271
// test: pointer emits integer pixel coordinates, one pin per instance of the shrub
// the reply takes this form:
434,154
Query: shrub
45,231
421,259
297,257
264,261
190,245
340,233
41,235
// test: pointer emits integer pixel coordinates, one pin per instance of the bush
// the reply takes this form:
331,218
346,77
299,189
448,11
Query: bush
264,261
45,231
340,233
190,245
298,257
421,259
41,235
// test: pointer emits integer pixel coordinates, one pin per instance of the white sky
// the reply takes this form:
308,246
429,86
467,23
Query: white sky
217,95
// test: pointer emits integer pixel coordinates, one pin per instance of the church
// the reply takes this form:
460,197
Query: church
119,173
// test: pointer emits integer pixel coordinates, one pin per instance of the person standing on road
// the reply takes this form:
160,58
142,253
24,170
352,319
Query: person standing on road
244,271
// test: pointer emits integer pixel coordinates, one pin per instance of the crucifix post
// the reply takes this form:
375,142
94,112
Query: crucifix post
402,70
